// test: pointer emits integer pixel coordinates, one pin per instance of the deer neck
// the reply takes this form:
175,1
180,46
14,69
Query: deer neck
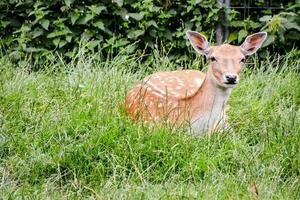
209,102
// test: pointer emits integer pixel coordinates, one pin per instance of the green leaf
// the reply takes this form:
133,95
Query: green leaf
69,2
254,25
122,12
57,33
293,35
64,8
233,36
152,33
265,18
92,44
119,2
172,12
152,23
74,17
120,43
97,9
56,41
168,35
268,41
135,33
242,34
37,32
237,24
68,38
85,36
62,43
99,24
85,19
44,23
136,16
156,8
24,29
70,54
291,25
188,25
5,23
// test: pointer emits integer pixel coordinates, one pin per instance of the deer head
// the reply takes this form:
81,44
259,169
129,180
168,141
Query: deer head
226,61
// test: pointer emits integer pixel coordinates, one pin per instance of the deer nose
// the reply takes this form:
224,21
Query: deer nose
231,79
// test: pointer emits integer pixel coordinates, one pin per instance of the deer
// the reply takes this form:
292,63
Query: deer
190,97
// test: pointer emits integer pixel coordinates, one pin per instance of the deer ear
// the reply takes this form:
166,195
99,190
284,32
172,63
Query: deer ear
253,42
199,42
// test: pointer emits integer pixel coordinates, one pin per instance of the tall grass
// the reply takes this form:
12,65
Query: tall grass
63,134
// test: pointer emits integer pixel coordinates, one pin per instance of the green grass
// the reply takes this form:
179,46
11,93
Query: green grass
63,134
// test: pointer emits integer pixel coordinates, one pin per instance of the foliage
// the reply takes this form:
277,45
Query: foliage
283,28
39,27
62,135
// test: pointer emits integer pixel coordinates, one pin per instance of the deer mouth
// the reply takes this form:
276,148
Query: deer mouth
230,84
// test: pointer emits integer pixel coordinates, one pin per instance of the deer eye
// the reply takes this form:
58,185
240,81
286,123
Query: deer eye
213,59
243,60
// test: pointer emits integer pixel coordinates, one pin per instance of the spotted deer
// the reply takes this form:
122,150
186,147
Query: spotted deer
191,97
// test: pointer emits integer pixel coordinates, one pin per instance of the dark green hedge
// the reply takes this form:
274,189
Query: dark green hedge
30,26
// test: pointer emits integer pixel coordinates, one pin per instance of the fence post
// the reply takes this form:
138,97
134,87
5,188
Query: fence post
222,31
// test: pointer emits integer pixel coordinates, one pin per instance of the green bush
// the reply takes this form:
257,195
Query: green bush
30,26
283,28
39,27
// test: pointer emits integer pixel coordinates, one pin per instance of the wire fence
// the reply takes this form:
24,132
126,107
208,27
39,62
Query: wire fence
246,8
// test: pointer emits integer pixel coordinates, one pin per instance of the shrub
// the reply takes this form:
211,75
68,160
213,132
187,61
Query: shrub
39,27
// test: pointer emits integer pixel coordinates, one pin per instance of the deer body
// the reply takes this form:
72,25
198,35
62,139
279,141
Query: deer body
190,97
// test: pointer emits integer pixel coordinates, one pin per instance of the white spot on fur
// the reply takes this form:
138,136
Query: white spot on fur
157,94
198,81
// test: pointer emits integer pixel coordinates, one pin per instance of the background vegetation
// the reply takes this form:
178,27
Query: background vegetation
41,27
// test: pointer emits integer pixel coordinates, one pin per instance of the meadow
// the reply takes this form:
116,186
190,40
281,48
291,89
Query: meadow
65,135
